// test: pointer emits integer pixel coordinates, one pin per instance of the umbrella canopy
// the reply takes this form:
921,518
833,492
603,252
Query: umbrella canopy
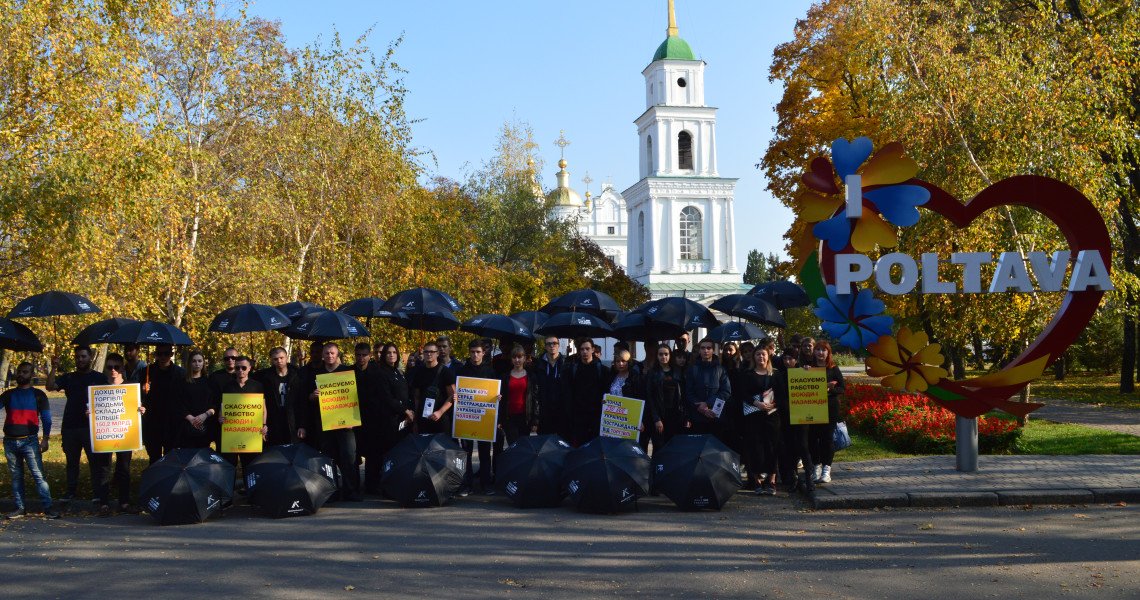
290,480
640,328
782,294
533,319
586,300
249,317
681,312
696,471
99,331
575,324
429,321
187,485
423,470
326,325
606,475
150,333
16,336
751,308
297,309
421,300
736,332
498,327
530,471
53,303
365,307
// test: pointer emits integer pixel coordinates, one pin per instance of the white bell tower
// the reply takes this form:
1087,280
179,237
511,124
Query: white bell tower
682,238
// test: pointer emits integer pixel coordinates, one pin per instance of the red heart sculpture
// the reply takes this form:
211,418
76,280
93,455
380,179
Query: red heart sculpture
1083,228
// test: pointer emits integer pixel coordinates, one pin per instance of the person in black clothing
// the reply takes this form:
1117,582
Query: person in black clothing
243,384
553,416
478,367
76,430
665,389
223,375
821,438
199,402
583,387
395,416
337,444
370,434
282,384
114,368
433,387
624,381
755,391
794,437
706,383
161,383
520,411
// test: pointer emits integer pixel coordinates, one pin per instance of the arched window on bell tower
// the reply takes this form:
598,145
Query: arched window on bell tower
684,150
641,237
649,154
691,239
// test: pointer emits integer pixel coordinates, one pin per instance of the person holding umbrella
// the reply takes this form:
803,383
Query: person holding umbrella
162,381
665,390
707,386
282,383
584,385
26,412
199,402
337,444
76,430
114,367
433,387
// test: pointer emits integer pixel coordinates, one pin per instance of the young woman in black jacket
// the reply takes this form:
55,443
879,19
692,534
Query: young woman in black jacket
665,391
821,437
755,391
623,381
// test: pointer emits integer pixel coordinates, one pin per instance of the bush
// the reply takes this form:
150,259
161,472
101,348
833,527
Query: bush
914,424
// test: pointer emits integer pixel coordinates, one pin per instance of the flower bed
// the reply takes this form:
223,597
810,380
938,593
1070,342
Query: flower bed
912,423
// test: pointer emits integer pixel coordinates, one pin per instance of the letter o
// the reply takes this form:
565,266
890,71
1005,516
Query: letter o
907,280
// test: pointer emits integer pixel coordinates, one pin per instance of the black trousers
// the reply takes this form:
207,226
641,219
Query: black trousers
340,446
794,447
76,441
122,476
821,441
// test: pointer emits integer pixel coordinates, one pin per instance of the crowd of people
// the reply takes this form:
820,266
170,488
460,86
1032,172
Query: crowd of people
740,396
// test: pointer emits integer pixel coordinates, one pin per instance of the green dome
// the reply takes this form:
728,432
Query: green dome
674,48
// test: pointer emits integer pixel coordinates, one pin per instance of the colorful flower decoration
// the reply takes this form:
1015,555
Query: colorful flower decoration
885,201
908,363
855,319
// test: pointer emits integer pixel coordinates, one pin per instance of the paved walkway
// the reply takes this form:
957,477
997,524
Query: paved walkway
1120,420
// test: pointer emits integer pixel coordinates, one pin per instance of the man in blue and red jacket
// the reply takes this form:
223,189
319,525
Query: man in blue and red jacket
25,410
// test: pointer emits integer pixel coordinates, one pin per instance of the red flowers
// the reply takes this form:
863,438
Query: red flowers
912,423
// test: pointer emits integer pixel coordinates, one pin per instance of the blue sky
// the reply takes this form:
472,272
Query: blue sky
573,66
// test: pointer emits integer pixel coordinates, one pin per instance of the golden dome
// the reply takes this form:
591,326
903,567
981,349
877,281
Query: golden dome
563,195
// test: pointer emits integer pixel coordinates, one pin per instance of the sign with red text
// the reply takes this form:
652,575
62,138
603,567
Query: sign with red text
621,417
116,425
340,406
244,416
476,409
807,396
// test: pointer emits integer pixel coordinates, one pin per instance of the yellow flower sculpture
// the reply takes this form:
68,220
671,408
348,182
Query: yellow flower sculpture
908,363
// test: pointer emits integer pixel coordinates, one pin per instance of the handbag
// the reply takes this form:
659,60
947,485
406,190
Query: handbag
841,437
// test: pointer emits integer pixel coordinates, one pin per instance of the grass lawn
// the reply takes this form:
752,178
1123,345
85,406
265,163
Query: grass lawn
1102,390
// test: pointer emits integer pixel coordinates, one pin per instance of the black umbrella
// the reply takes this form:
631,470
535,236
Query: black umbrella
326,325
606,475
751,308
530,471
249,317
290,480
533,319
297,309
365,307
150,333
429,321
782,294
99,331
498,327
421,300
591,301
681,312
53,303
736,332
423,470
639,327
576,324
17,336
187,485
696,471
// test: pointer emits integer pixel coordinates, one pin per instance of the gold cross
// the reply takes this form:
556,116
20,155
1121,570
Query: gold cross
562,142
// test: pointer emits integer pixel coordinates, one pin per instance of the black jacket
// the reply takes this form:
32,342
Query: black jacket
706,382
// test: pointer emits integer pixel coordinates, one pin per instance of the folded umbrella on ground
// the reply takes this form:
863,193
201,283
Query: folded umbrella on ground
423,470
696,471
529,472
290,480
187,485
606,475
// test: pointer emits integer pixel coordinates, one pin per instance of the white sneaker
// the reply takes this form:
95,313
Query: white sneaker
825,477
817,473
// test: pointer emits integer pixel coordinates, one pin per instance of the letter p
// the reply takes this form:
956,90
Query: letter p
851,269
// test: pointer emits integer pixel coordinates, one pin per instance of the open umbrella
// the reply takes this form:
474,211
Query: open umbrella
696,471
249,317
530,471
290,480
638,327
533,319
17,336
326,325
297,309
421,300
99,331
576,324
187,485
498,327
585,300
736,332
423,470
53,303
606,475
429,321
150,333
365,307
681,312
751,308
782,294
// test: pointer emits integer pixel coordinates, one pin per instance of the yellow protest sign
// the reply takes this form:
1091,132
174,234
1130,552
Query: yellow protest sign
244,415
340,406
807,396
476,409
621,417
115,422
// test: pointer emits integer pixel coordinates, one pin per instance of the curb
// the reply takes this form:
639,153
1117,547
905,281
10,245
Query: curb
831,500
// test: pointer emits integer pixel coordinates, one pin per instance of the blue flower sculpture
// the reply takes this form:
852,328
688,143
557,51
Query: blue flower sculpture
857,320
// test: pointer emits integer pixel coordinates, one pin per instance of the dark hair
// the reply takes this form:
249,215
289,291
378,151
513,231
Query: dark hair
473,344
365,346
25,364
384,350
86,349
518,350
583,340
620,345
192,353
706,340
115,356
830,358
276,350
128,346
247,359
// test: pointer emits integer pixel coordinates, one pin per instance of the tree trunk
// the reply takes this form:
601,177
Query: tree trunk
7,356
959,364
1024,397
1128,358
1059,368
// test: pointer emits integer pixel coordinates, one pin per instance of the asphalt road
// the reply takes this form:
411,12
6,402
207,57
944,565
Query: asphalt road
482,547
